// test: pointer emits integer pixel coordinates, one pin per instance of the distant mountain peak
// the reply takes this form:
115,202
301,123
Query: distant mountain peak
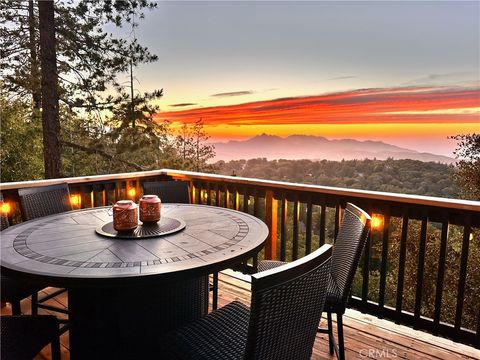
265,136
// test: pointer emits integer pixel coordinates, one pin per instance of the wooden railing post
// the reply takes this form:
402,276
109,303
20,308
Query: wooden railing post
196,193
98,195
86,196
191,191
227,197
271,206
236,200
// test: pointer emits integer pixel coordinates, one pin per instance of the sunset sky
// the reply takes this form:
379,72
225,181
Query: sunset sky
407,73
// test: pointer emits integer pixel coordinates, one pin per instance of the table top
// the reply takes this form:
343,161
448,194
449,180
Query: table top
65,250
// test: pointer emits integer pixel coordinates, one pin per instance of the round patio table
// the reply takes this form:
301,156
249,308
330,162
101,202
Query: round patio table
124,294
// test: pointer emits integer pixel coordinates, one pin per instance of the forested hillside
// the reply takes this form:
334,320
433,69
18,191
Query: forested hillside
399,176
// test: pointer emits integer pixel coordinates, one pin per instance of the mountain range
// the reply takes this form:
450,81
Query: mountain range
317,148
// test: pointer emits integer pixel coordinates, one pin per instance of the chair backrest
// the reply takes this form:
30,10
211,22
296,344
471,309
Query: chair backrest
44,200
286,307
168,191
351,238
3,218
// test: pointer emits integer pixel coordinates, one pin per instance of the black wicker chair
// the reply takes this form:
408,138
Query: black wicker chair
168,191
177,192
41,201
25,336
349,244
12,291
281,323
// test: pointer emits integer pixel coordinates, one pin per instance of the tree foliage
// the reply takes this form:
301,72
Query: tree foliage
194,151
399,176
21,142
89,58
105,126
467,175
76,57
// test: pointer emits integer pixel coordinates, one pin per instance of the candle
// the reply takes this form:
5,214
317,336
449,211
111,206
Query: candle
150,206
125,215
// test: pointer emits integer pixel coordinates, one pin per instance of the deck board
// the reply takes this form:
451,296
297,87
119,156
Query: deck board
365,336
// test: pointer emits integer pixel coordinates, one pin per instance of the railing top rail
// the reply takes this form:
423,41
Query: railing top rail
280,185
80,179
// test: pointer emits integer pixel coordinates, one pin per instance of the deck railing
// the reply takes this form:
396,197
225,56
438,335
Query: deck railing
421,265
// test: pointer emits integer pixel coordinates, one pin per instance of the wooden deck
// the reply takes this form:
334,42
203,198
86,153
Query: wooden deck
365,336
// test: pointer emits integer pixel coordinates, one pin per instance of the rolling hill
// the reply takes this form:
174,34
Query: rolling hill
317,148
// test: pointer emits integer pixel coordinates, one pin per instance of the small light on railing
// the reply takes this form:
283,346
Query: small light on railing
131,192
6,208
377,222
471,236
75,200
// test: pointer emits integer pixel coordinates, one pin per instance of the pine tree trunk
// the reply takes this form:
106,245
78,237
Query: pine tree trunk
50,113
34,68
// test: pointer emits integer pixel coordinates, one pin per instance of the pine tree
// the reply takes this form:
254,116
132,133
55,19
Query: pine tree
77,54
88,58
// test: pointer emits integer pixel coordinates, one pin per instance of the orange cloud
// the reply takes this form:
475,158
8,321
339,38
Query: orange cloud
364,106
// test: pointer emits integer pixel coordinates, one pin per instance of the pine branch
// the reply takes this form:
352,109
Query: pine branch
94,150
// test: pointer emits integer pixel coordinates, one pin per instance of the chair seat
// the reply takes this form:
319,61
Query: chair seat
13,289
220,335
